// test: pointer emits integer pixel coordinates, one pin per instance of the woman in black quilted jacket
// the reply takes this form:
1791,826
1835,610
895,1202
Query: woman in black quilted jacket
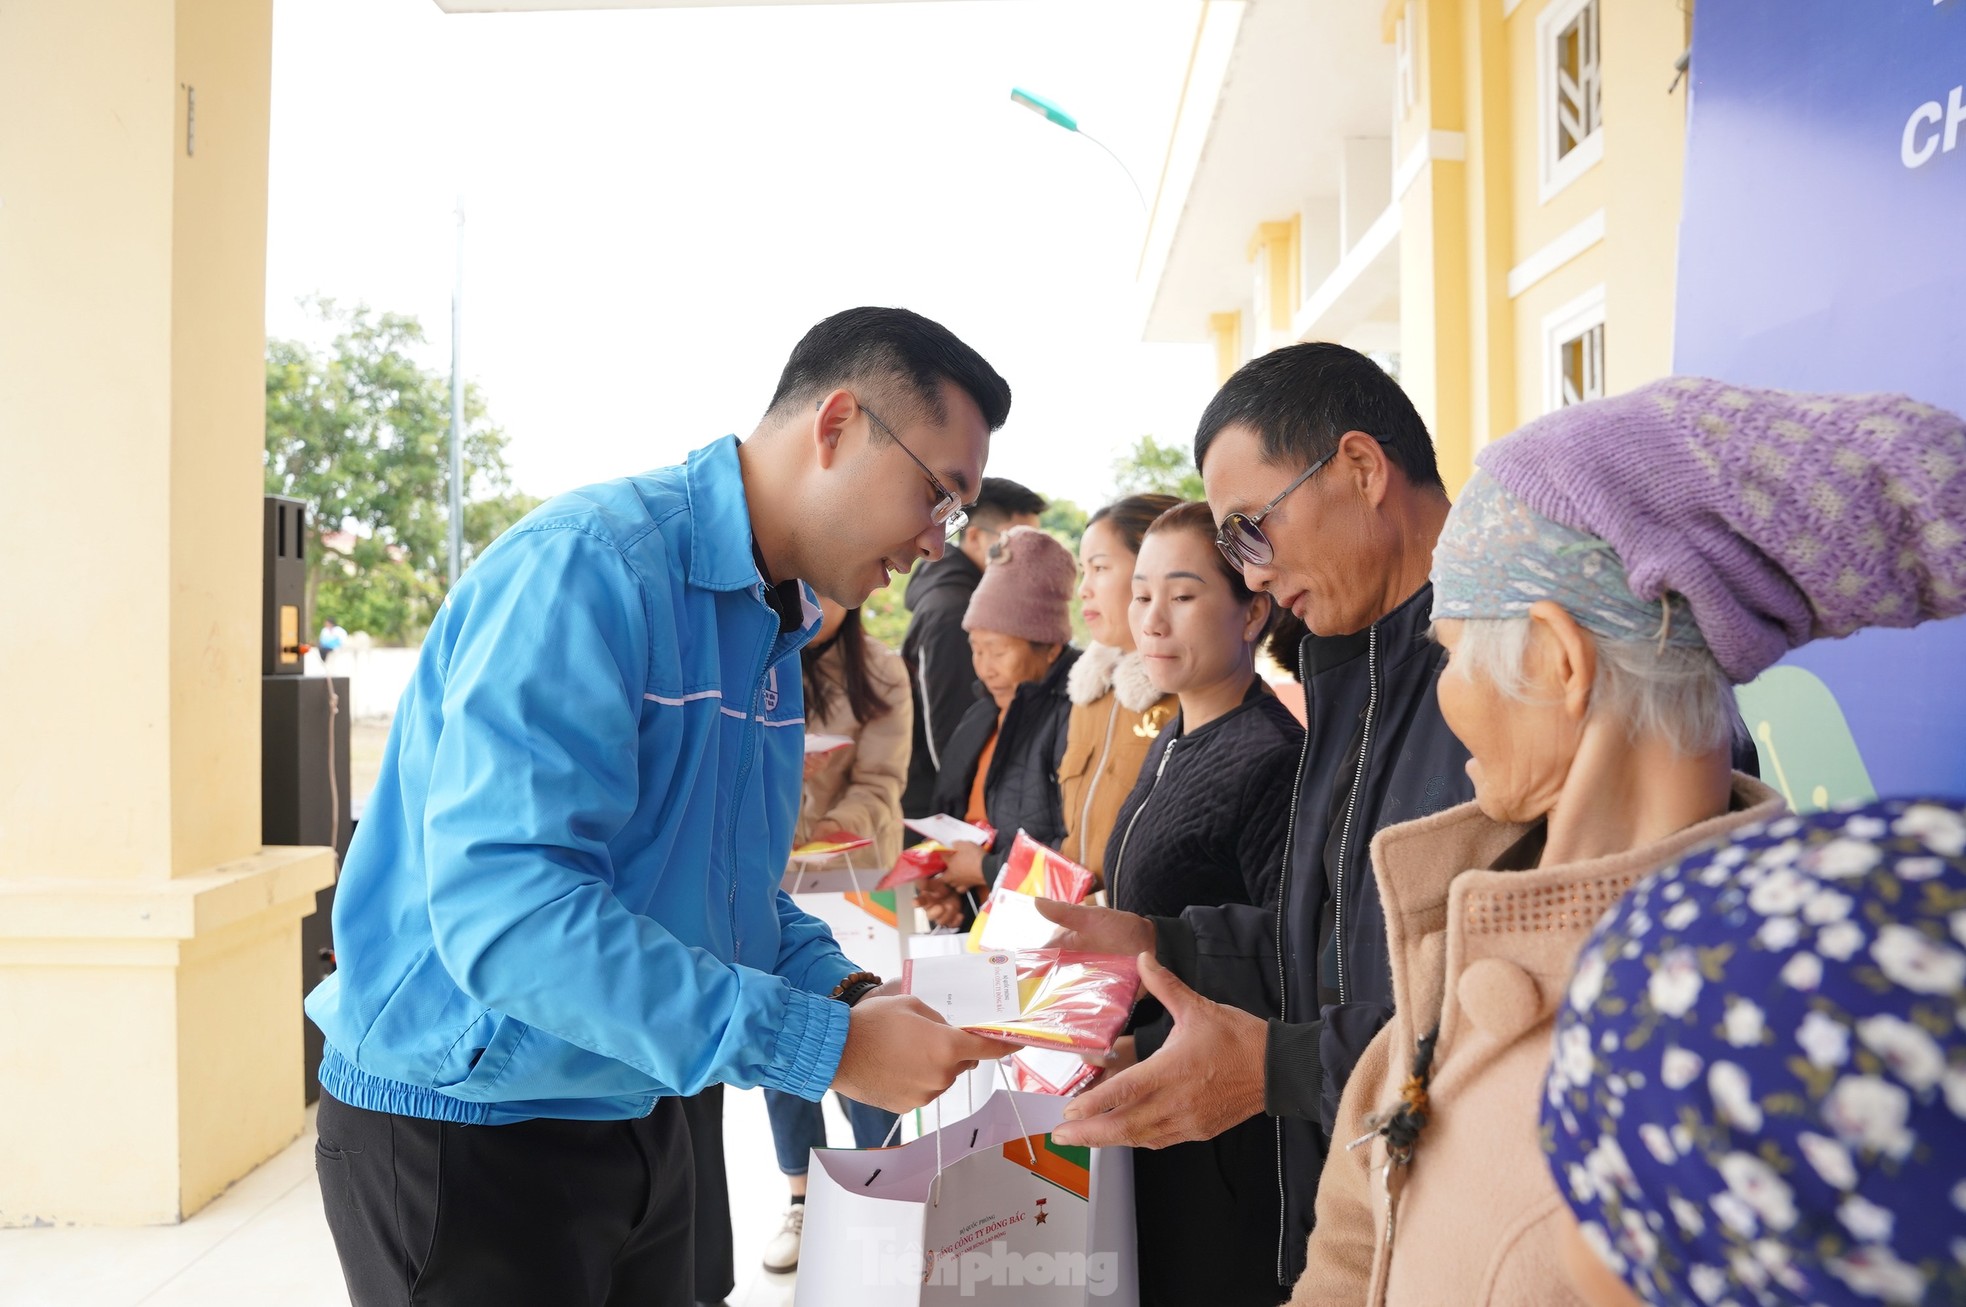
1205,825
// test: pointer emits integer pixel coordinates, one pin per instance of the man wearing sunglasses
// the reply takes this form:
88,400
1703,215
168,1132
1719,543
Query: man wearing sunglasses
561,913
1322,479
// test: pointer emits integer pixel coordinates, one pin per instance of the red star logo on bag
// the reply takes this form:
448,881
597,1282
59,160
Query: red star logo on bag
1041,1212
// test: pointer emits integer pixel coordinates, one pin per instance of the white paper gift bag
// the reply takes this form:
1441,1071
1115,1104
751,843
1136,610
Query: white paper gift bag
978,1212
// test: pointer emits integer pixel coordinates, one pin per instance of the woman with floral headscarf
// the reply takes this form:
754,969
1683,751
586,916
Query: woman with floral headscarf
1759,1088
1607,577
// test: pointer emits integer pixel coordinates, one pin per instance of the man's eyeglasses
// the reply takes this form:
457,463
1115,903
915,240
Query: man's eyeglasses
948,511
1241,538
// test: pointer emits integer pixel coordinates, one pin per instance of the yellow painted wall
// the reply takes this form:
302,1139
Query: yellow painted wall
1637,185
1498,220
1645,134
1560,288
1537,223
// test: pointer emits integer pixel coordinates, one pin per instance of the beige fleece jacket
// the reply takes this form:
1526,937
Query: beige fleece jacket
1488,954
861,789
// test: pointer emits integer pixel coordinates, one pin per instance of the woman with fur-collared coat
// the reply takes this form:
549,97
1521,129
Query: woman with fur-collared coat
1117,714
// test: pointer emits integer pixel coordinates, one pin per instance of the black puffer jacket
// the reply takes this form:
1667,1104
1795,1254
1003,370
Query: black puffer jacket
1206,824
1021,791
940,671
1206,821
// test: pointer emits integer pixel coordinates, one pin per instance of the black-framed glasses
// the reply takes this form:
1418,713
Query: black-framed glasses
1241,538
948,511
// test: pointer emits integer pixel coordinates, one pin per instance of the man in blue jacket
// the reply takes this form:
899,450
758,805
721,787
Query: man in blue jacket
561,912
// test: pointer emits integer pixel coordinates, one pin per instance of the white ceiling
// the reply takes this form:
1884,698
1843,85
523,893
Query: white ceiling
1304,76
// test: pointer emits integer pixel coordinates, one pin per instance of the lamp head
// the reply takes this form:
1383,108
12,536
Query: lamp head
1037,104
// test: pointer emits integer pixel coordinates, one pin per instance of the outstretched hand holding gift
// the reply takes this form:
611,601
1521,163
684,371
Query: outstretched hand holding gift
1207,1077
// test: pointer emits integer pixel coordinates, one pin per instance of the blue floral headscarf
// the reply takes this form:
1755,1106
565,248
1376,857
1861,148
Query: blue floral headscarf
1758,1087
1497,556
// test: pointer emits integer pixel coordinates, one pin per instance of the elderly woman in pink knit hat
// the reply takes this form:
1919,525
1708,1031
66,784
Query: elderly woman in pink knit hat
1609,575
1001,765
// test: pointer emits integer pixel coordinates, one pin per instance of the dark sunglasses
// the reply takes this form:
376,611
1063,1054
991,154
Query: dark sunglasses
1241,538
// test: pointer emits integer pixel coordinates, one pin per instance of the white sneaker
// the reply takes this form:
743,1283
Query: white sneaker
782,1253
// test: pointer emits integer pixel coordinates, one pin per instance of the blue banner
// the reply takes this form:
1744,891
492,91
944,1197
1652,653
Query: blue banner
1823,248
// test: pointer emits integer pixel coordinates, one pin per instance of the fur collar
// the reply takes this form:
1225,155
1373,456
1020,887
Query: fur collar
1103,669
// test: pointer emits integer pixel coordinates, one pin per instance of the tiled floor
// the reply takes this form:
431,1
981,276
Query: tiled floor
263,1243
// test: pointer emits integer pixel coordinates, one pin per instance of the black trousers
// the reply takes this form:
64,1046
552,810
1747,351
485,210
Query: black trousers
716,1259
1207,1215
569,1213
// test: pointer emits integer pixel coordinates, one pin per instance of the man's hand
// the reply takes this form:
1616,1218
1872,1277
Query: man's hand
964,869
1207,1077
1087,929
942,905
901,1054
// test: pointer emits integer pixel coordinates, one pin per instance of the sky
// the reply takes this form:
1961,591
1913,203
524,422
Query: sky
658,203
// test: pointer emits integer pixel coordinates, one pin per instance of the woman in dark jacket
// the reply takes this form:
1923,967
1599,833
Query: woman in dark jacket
1001,765
1205,825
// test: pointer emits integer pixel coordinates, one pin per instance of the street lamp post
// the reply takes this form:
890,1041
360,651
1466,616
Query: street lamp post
1052,113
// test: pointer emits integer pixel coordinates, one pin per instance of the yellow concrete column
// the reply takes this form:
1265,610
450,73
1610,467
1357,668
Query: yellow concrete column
1484,57
1274,246
1436,358
149,973
1225,330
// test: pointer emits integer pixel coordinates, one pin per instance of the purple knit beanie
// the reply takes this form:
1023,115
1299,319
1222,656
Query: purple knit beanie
1780,517
1026,590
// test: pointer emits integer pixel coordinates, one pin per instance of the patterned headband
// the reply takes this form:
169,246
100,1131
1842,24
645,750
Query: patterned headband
1497,556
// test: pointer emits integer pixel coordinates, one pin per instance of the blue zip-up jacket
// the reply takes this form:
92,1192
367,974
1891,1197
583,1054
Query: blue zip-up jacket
562,900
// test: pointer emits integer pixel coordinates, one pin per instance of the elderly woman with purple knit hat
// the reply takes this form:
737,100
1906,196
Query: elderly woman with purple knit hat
1608,576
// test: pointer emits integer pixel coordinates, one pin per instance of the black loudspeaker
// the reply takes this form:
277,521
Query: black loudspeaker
283,628
304,800
303,786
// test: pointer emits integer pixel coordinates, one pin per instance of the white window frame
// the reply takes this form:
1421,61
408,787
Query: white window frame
1403,63
1556,173
1560,327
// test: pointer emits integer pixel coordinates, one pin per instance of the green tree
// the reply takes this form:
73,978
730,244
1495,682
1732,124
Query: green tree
1066,520
362,434
1151,468
885,614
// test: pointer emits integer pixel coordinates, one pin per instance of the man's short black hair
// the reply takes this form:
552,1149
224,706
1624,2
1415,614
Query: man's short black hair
894,349
1001,499
1300,401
